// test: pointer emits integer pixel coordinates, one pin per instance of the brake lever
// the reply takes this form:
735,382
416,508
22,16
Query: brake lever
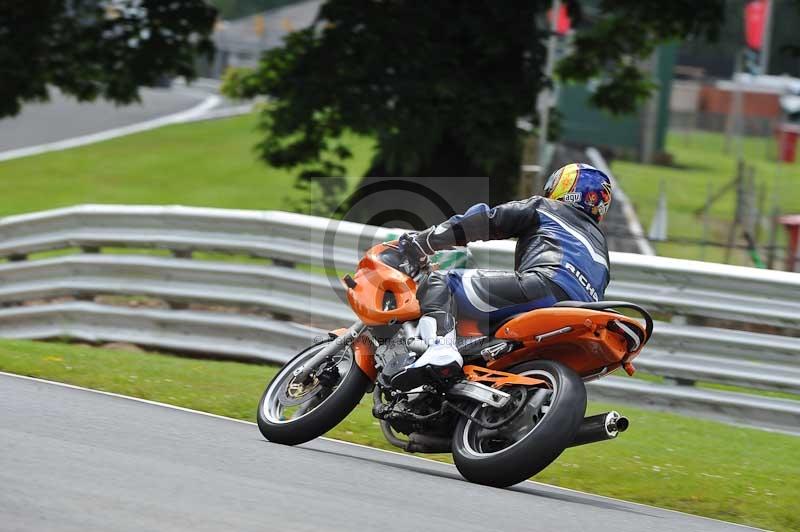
431,267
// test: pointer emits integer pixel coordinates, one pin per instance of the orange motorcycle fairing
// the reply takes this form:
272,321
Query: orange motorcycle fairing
579,338
364,351
372,284
498,379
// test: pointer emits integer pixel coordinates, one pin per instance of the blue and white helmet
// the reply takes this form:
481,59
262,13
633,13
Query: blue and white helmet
582,186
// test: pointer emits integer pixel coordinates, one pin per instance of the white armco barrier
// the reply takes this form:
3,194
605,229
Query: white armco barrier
303,302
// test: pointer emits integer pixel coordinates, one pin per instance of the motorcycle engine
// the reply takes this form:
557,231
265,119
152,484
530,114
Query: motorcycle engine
391,357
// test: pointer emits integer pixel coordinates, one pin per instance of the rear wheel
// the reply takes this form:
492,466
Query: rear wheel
292,412
527,434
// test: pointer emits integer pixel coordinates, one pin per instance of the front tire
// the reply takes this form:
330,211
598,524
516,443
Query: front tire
323,410
533,440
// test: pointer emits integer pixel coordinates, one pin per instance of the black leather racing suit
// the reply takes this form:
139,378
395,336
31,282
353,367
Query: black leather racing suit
561,254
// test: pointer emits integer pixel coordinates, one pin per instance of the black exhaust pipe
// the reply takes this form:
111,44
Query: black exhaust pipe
416,442
600,428
426,443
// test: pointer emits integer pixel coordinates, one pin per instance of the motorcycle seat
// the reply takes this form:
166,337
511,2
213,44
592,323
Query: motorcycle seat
489,328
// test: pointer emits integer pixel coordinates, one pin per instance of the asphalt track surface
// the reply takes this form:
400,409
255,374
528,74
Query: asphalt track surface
63,117
77,460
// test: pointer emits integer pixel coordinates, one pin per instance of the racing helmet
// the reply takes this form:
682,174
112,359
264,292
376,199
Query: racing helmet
582,186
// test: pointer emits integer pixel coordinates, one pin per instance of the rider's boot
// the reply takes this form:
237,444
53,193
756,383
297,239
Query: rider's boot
440,361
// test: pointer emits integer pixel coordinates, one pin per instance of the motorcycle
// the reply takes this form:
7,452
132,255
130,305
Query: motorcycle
519,402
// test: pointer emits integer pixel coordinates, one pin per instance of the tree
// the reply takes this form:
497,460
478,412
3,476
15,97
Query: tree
440,85
719,58
95,48
624,31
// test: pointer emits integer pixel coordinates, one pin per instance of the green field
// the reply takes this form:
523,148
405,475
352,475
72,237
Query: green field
701,467
207,164
214,164
699,162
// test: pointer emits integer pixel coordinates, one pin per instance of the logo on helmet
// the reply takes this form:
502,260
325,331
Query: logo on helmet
573,197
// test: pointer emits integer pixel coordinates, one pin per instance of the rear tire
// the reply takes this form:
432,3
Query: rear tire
540,447
322,417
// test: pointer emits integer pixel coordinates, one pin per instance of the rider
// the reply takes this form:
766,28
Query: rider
561,254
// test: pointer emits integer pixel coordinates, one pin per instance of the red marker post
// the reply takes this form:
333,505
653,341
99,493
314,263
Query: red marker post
792,225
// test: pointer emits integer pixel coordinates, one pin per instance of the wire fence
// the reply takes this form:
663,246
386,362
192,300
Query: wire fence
722,195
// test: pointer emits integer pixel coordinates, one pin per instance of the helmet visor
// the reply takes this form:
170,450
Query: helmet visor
551,183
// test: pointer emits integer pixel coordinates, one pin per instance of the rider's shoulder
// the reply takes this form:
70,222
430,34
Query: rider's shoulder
533,201
538,202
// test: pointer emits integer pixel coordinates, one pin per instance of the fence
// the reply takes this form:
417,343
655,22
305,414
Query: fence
250,284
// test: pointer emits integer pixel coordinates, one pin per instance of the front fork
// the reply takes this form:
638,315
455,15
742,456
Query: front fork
342,341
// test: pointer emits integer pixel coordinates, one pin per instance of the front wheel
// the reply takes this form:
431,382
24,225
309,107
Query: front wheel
292,412
528,434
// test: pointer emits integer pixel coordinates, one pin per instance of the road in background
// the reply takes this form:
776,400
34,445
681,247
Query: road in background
63,117
76,460
617,228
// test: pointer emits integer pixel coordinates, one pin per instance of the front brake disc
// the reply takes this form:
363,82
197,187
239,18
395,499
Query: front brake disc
296,393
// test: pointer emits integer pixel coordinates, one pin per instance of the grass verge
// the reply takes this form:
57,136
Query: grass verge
701,467
700,162
206,164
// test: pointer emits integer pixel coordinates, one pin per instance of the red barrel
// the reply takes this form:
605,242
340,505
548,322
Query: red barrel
792,225
787,141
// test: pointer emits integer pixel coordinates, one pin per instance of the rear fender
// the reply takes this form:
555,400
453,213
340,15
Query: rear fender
577,337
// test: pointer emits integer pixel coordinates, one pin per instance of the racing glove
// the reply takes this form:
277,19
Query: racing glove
410,246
